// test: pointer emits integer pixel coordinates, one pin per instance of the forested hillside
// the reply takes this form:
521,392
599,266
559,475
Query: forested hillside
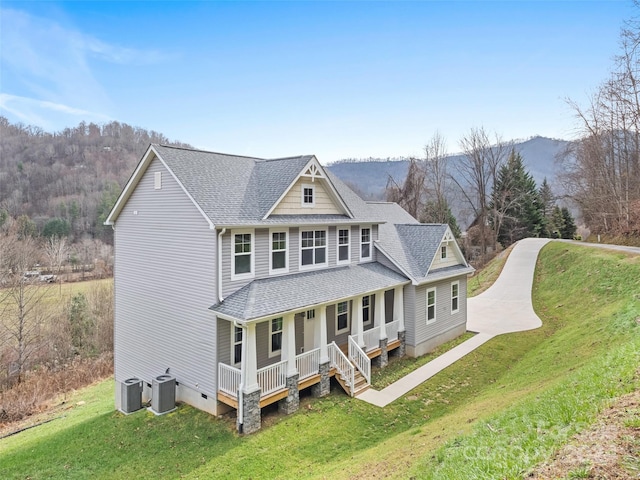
68,180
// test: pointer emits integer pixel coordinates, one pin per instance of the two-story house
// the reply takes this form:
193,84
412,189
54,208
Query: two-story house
249,280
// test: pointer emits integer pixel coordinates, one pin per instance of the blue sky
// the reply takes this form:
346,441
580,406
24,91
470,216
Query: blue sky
335,79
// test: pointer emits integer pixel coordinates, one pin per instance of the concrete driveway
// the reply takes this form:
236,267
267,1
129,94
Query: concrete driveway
503,308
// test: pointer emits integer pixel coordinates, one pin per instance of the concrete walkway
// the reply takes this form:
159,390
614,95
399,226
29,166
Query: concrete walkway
503,308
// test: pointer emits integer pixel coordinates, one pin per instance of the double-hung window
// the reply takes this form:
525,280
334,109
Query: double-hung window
275,336
342,317
431,305
313,248
278,262
242,248
455,295
365,244
443,252
343,245
237,345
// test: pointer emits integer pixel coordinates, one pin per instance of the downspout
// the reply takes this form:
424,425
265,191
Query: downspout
222,232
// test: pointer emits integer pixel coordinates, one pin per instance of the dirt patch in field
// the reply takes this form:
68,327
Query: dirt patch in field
610,449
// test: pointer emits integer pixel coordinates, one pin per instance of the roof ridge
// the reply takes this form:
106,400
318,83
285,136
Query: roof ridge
176,147
288,158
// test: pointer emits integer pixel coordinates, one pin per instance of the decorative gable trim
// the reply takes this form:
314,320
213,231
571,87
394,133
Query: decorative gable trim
311,172
450,242
134,180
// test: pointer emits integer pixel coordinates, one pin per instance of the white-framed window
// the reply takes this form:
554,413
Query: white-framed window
344,246
313,248
431,305
242,260
443,252
365,243
278,258
342,317
157,181
311,314
275,336
308,195
366,310
236,341
455,296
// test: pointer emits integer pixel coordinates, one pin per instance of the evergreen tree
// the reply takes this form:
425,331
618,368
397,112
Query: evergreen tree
556,224
433,214
547,202
516,205
569,228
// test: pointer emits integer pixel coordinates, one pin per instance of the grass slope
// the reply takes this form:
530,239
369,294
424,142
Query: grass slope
513,401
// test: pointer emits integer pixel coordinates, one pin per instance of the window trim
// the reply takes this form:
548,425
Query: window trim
234,342
312,187
252,255
368,307
314,265
348,327
435,302
348,245
285,269
370,243
275,353
457,297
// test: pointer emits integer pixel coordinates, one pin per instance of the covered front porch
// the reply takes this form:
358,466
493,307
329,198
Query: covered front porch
305,347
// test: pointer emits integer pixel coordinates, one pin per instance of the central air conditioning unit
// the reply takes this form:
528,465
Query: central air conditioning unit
163,394
131,395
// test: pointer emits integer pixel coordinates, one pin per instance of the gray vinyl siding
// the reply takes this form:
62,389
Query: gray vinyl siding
294,250
410,313
332,246
165,280
445,320
355,243
263,250
225,342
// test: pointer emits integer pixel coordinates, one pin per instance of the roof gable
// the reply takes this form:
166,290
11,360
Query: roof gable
311,173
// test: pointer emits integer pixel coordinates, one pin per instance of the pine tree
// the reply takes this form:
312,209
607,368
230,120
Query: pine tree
569,228
516,206
556,225
433,214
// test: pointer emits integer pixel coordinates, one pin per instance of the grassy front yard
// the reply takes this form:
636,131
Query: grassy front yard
497,412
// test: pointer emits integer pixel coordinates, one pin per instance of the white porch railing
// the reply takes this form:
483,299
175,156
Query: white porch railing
308,363
272,378
228,379
342,364
392,330
360,359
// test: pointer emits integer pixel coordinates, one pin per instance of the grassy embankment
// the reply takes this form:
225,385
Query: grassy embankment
494,414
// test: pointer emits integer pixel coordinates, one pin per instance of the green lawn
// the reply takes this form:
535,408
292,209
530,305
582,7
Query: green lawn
512,402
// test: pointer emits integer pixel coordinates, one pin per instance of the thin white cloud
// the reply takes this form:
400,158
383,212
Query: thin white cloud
46,67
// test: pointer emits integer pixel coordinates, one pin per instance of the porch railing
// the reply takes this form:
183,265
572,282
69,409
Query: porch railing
228,379
392,330
273,378
342,364
308,363
371,339
360,359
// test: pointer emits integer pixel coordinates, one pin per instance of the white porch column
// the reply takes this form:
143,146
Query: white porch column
249,363
289,343
357,327
379,320
320,334
398,307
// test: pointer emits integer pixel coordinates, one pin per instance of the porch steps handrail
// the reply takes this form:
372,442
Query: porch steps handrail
308,363
342,364
228,379
360,359
272,378
392,330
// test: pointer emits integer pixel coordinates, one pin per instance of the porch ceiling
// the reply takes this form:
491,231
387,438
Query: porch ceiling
270,297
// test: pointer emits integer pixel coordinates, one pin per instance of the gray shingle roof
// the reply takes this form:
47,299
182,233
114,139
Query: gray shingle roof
232,189
276,295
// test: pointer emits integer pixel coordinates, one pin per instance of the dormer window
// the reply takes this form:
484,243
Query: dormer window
308,195
443,252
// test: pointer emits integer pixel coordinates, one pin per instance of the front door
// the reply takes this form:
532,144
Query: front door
309,330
